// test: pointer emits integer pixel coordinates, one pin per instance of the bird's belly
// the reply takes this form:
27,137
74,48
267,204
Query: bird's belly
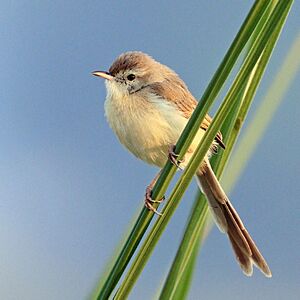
147,132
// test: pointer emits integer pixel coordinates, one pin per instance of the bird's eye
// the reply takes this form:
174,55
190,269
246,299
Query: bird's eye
131,77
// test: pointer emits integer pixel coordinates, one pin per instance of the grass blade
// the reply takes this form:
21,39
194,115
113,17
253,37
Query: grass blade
187,251
261,120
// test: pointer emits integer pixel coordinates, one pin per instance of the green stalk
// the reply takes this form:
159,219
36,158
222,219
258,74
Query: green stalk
176,282
271,101
187,251
184,141
187,276
197,158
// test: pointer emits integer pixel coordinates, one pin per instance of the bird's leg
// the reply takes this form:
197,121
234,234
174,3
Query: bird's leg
173,157
148,196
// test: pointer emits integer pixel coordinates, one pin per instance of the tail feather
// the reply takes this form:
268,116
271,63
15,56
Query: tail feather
257,257
242,258
215,205
229,222
236,232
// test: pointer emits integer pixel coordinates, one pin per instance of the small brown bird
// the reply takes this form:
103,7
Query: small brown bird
148,106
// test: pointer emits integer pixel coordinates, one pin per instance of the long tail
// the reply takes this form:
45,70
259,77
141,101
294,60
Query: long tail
229,222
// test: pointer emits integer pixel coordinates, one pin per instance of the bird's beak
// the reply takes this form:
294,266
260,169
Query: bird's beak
103,74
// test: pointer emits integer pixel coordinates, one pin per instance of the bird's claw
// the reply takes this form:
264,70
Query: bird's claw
149,201
173,157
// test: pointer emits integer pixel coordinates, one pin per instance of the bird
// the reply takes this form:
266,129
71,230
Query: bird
147,106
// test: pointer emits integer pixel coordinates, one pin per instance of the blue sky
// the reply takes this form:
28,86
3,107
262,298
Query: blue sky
69,190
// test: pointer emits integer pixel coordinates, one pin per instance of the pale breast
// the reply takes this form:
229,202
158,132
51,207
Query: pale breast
145,128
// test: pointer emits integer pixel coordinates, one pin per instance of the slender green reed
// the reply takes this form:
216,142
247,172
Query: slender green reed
187,251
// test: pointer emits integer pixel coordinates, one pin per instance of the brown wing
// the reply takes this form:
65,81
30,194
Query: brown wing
178,93
175,91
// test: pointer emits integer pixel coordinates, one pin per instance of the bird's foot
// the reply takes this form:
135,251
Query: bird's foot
173,157
149,201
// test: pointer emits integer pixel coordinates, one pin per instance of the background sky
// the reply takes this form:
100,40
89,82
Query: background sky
68,190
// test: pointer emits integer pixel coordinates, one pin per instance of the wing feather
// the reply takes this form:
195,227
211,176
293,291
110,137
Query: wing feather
178,94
